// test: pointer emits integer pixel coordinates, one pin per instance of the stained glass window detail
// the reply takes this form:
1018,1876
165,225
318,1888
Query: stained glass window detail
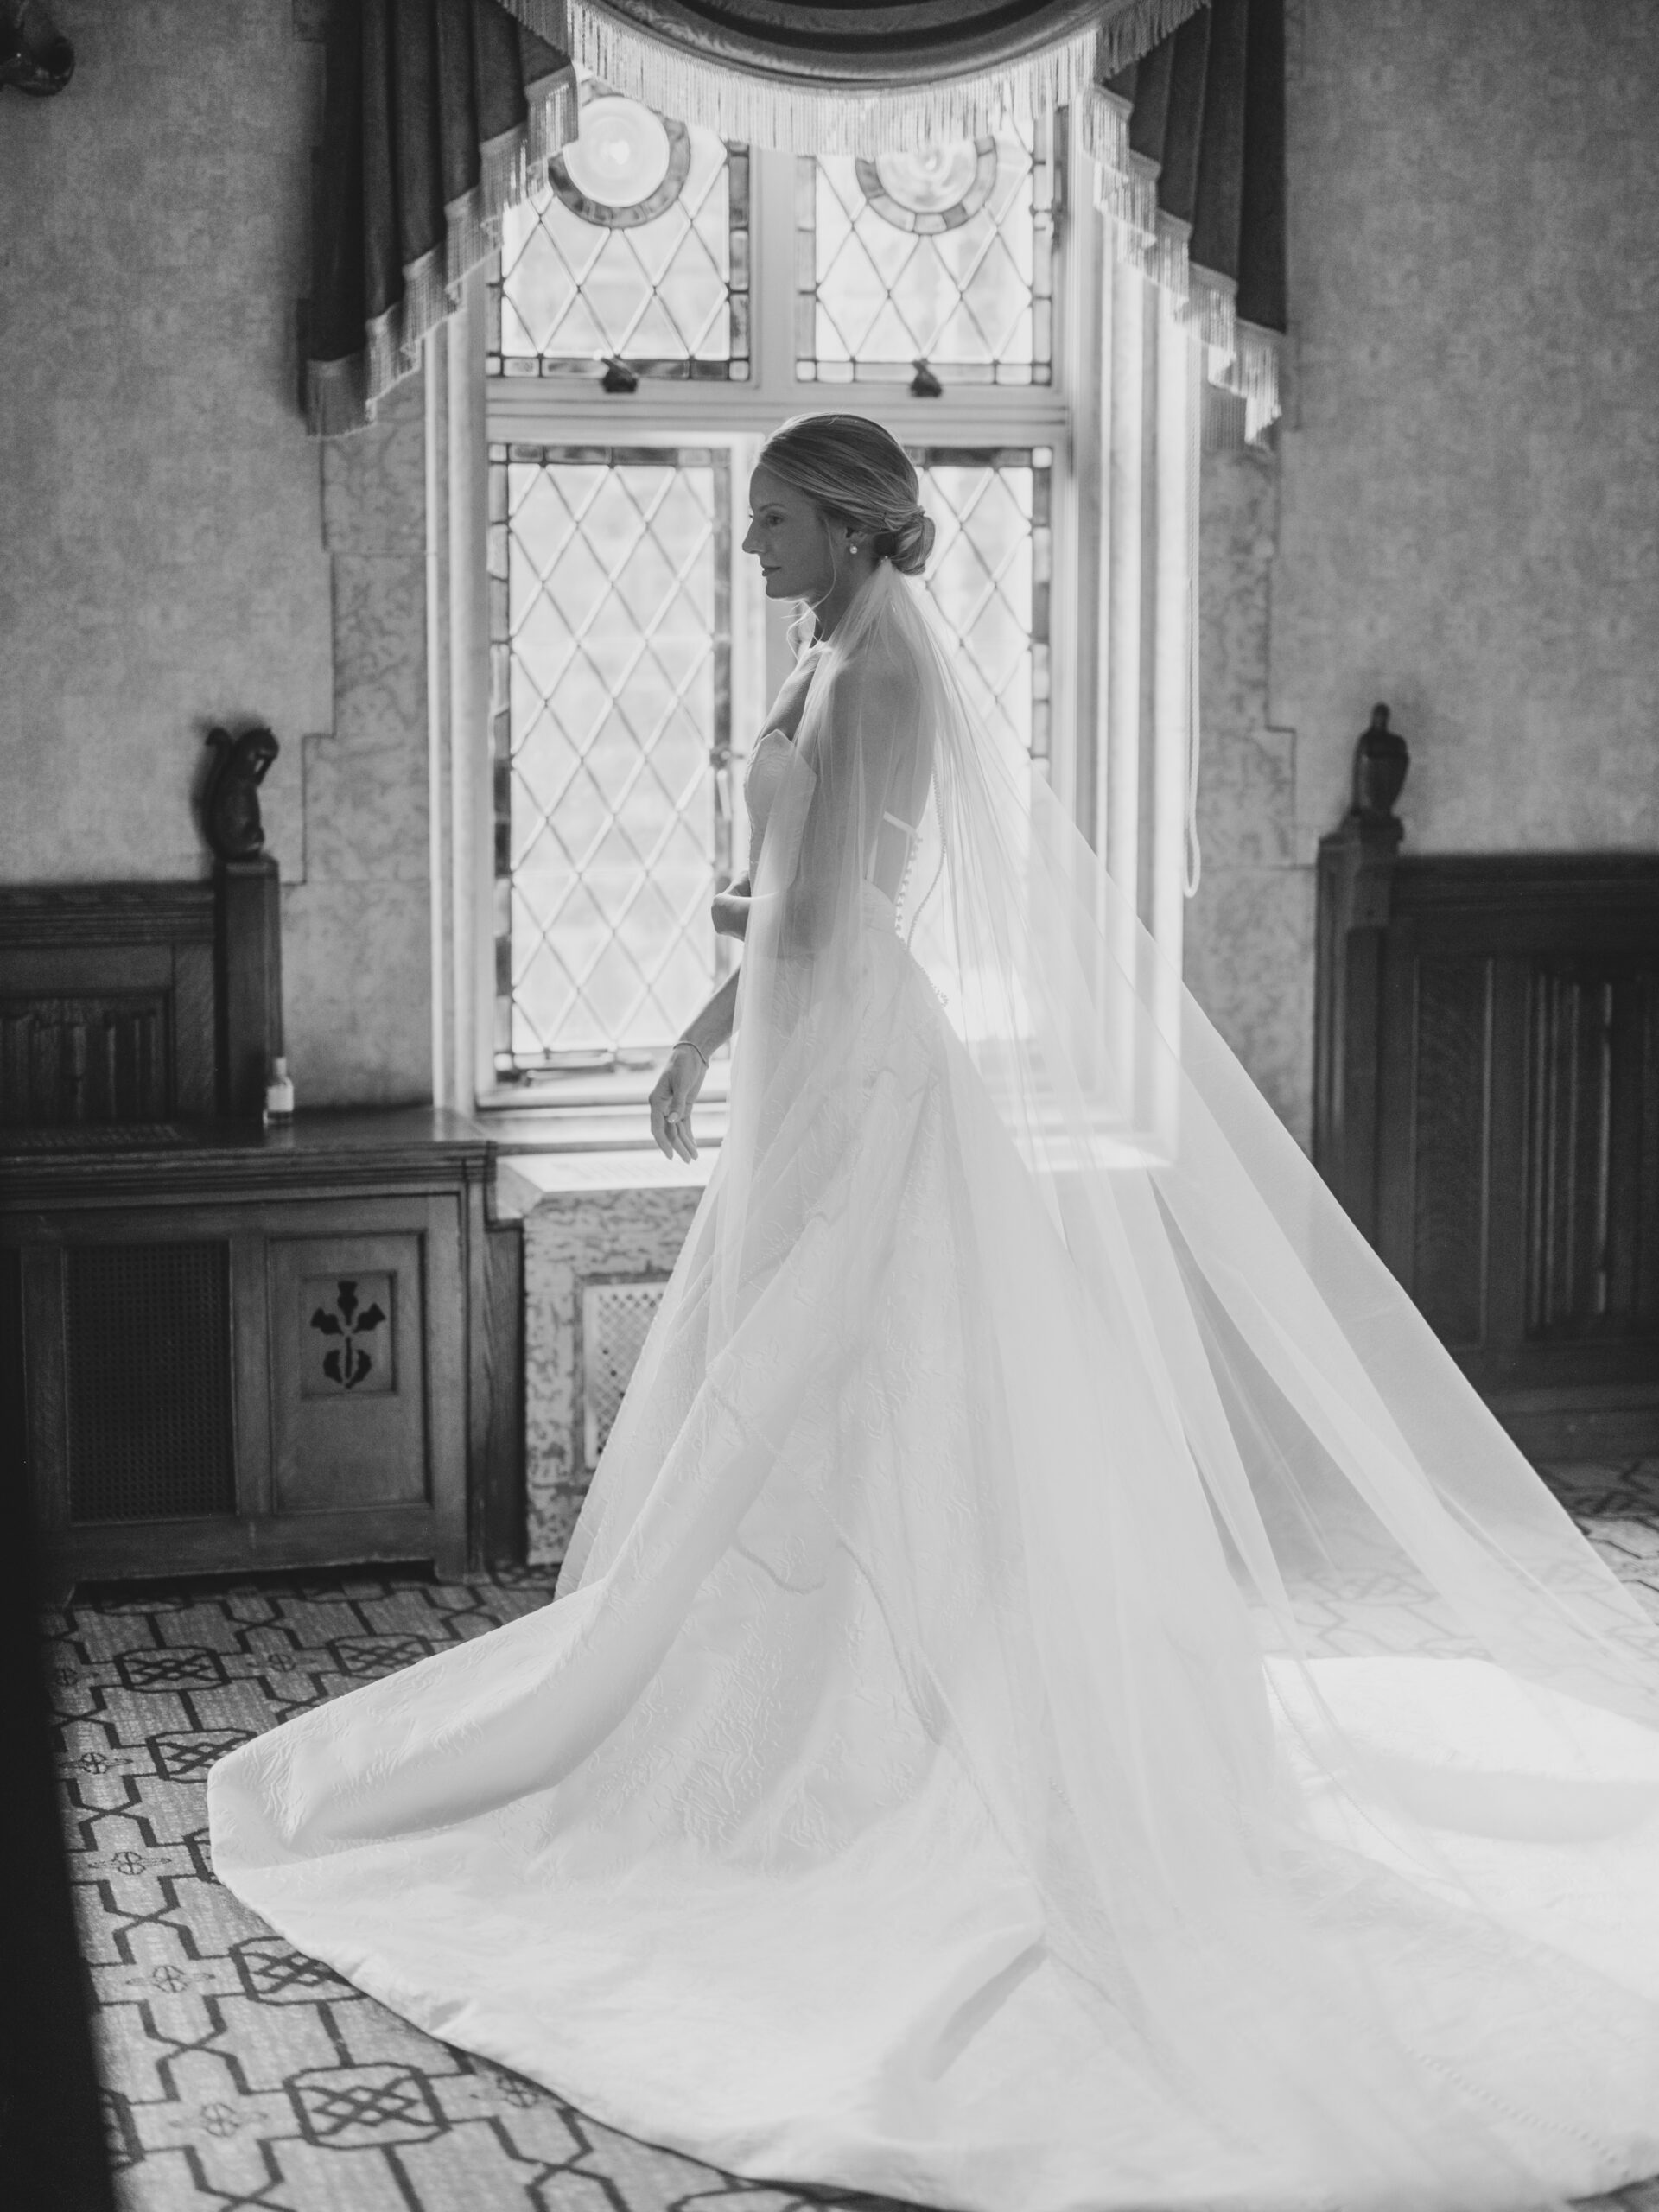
610,575
989,573
940,261
635,250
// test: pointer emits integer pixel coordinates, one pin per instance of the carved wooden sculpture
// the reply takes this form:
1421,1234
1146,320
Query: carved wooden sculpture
33,57
230,801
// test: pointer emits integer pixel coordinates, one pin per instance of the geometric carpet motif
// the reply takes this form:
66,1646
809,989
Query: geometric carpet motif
242,2077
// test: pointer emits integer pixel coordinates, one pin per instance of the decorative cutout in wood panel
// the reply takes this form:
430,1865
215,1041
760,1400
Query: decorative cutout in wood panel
348,1331
349,1414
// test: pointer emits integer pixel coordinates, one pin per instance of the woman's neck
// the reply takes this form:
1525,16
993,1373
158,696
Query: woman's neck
828,611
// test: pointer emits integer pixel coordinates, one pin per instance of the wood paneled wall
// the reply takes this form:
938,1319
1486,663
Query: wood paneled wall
133,1003
1487,1108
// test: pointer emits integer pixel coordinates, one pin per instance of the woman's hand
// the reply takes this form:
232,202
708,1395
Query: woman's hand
672,1097
731,909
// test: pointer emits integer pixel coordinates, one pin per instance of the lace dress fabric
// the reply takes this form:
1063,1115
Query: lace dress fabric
770,1839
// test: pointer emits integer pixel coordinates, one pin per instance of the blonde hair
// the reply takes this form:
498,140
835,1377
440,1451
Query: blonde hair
856,472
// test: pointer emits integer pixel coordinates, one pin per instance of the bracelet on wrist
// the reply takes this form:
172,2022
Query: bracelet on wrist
698,1049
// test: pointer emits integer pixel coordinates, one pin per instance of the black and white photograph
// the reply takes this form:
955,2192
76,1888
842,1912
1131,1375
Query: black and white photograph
830,1105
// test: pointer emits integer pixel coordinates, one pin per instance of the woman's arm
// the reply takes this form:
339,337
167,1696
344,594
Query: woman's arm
731,909
675,1091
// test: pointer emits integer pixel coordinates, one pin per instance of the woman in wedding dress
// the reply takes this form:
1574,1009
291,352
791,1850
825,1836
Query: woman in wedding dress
1060,1698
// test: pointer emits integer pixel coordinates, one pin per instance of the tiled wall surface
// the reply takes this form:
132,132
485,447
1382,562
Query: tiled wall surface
585,1224
1466,518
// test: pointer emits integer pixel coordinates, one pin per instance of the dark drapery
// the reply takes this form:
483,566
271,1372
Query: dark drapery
435,112
1191,141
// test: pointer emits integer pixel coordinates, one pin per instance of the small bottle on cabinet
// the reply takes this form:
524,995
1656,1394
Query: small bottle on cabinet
279,1095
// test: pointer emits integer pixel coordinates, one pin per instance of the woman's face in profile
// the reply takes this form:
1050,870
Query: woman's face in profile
789,538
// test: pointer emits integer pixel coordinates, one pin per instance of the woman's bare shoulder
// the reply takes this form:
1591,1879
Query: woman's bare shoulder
881,676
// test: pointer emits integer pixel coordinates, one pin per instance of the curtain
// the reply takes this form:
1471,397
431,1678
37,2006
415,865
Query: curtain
1189,147
438,111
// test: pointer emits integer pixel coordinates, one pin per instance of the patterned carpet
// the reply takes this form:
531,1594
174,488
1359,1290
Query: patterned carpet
240,2074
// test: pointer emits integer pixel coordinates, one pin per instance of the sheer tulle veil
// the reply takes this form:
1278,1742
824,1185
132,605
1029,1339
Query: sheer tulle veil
1286,1682
1060,1698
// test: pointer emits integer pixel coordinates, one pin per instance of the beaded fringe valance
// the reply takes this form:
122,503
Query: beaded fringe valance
1242,357
1069,52
509,165
778,100
341,392
898,91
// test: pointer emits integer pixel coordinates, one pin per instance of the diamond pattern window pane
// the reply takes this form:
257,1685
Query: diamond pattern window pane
611,678
989,573
944,258
634,248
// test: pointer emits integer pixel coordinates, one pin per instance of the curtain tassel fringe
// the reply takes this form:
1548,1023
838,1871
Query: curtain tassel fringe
839,117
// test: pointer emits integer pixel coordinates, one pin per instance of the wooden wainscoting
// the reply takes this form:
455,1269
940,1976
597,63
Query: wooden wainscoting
1487,1108
126,1004
246,1350
243,1347
106,1004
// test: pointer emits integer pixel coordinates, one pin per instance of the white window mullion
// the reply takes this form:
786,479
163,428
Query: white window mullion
1082,309
693,413
450,1013
473,862
1125,541
773,228
1175,402
458,680
772,231
1154,380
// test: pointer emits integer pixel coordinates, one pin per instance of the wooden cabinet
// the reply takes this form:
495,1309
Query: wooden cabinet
245,1350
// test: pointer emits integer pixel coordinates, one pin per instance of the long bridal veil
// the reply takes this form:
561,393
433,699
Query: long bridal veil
1323,1737
1060,1699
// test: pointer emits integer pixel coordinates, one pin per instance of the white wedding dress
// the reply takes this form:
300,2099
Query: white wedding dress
1060,1699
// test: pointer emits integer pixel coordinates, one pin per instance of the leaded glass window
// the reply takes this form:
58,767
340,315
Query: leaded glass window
610,571
624,614
634,250
933,265
989,573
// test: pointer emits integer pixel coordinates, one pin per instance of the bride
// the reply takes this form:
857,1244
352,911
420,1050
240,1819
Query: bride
1060,1697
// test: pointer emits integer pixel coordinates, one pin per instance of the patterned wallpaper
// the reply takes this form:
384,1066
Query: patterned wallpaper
176,550
1466,519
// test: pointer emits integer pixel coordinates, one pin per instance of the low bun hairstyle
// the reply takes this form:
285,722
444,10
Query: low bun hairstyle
856,473
911,544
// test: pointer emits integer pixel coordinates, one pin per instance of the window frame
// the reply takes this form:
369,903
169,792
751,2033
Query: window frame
468,411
